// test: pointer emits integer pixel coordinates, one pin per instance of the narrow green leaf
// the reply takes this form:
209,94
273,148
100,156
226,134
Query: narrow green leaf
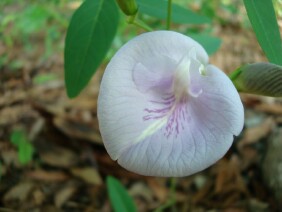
211,44
25,152
25,148
120,199
44,78
180,15
89,36
17,137
262,17
259,78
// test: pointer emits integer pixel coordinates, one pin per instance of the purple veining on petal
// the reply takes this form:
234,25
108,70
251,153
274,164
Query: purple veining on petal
173,85
160,112
176,119
176,112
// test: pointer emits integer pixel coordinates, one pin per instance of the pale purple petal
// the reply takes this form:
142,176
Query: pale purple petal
156,73
163,111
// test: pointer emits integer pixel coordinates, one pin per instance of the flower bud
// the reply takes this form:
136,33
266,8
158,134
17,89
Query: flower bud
128,7
259,78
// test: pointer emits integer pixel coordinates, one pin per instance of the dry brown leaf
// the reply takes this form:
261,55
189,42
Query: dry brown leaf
86,102
228,177
256,205
59,157
36,128
38,197
49,208
158,188
64,195
139,189
47,97
254,134
278,120
19,192
235,210
249,156
231,198
79,130
49,176
11,115
11,97
270,108
10,157
88,174
204,193
250,100
272,164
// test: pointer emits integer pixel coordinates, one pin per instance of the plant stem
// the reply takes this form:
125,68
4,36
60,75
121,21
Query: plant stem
235,74
132,20
168,18
171,199
142,25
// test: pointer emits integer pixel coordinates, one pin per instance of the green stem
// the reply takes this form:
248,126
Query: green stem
142,25
168,18
133,20
235,74
171,200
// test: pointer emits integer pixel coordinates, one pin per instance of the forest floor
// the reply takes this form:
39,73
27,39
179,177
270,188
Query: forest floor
70,164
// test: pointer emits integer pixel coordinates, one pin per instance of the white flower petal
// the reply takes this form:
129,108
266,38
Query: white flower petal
150,131
156,72
220,94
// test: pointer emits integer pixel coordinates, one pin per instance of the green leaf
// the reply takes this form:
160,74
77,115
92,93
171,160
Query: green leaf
120,199
259,78
180,15
44,78
32,19
17,137
25,152
89,37
211,44
25,149
262,17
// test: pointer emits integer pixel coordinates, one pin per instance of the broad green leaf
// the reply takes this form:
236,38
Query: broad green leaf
89,37
259,78
25,149
211,44
120,199
180,15
262,17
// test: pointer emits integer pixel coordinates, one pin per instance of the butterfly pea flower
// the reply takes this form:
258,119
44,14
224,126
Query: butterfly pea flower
163,110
